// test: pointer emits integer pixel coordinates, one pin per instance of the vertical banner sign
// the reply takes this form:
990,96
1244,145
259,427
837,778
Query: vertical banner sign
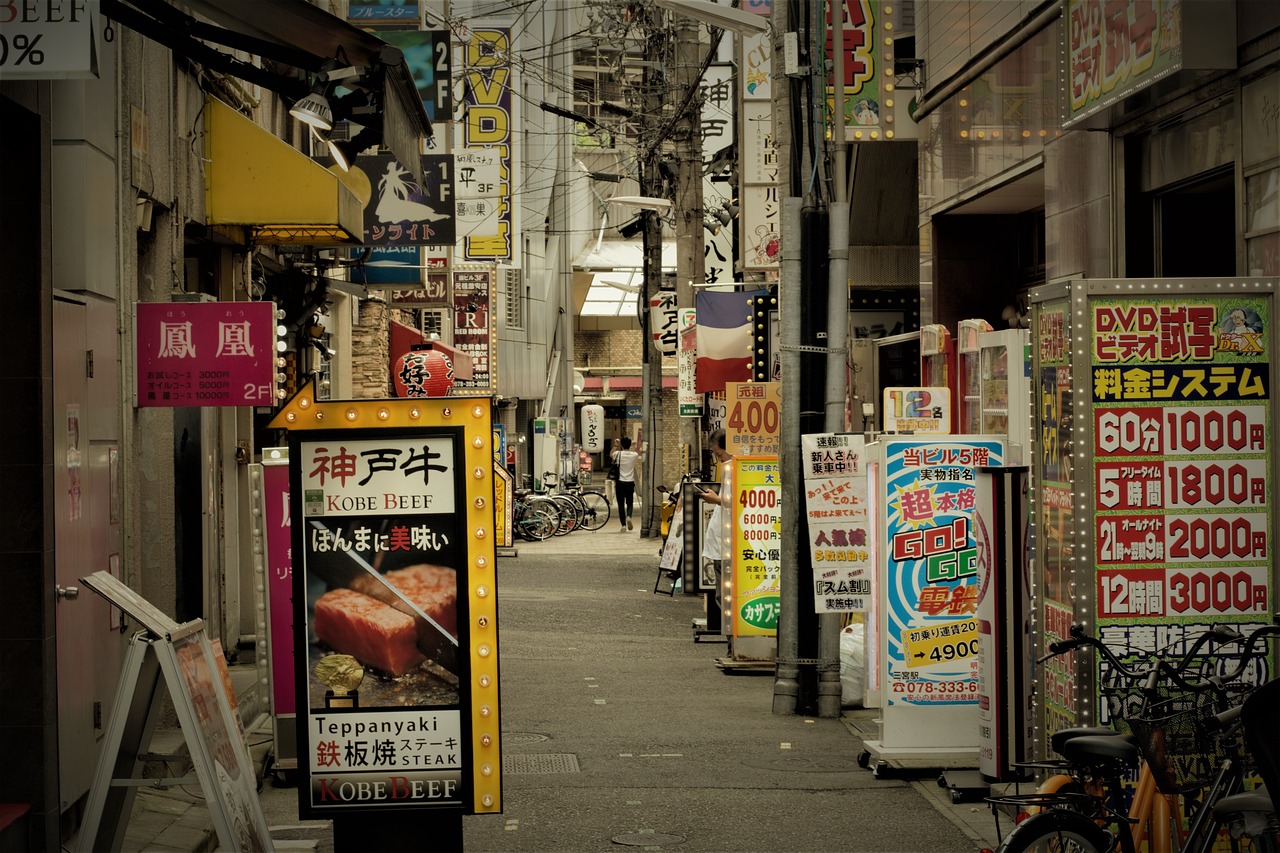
718,138
839,529
394,605
474,332
757,545
664,322
485,155
1055,544
205,354
931,590
1182,462
403,212
593,428
689,400
754,416
279,564
759,245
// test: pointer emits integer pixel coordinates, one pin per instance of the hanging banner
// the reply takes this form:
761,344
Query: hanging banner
593,428
839,532
757,545
205,354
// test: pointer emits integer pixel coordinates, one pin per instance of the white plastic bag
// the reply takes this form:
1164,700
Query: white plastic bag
852,665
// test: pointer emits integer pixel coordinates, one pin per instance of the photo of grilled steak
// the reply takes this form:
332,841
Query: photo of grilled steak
378,635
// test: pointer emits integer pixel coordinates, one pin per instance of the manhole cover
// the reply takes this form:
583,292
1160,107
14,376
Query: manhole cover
647,839
797,764
523,737
550,762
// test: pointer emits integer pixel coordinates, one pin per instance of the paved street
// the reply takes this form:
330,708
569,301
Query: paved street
619,731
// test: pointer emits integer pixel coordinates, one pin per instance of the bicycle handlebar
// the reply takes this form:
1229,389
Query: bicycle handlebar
1222,633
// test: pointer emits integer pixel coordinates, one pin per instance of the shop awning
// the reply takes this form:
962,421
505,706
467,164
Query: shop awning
258,181
404,337
292,39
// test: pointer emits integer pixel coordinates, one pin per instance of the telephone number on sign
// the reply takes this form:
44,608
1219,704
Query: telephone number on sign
931,687
1182,538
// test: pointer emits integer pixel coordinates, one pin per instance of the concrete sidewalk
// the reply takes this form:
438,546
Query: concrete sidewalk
666,748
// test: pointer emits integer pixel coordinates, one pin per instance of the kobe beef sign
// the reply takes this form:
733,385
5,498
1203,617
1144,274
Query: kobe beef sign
395,607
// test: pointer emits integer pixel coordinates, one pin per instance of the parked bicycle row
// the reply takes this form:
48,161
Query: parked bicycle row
556,511
1192,739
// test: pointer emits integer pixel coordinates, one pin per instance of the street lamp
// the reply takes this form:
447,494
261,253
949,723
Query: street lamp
724,17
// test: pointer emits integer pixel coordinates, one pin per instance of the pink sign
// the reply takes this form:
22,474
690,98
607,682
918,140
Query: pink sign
205,353
275,516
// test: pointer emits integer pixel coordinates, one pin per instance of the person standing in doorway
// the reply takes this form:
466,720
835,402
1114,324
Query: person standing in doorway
713,547
626,459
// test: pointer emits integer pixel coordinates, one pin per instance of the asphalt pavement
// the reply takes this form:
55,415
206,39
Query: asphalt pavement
619,730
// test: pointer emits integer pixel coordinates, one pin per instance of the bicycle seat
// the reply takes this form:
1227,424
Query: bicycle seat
1096,749
1256,800
522,493
1058,738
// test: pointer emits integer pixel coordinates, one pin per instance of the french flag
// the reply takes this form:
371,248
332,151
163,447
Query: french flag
724,338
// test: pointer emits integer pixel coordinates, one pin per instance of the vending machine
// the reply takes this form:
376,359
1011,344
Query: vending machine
1004,370
968,398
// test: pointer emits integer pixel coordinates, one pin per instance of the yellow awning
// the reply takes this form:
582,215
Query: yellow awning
261,182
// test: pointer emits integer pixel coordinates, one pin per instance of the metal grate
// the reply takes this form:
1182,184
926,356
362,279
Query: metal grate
512,284
550,762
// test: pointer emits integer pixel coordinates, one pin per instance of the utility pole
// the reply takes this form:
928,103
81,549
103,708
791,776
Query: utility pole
786,685
654,83
688,201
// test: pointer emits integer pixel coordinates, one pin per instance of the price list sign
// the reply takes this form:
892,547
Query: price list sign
1181,411
757,545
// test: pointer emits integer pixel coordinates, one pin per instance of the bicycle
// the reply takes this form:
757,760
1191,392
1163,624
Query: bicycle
1189,744
594,508
535,516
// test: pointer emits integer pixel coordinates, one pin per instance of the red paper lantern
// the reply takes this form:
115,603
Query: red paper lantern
424,371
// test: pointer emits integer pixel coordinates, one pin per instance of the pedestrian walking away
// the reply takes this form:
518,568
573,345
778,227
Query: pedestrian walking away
625,458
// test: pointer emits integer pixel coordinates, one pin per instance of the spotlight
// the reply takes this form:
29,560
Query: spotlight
713,227
313,110
344,153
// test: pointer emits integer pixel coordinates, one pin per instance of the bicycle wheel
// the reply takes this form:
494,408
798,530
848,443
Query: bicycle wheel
542,523
1057,831
597,514
568,514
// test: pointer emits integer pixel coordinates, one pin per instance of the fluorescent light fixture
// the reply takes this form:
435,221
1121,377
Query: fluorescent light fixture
642,201
725,17
629,288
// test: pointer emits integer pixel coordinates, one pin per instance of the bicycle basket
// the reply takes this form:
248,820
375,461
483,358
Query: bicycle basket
1182,751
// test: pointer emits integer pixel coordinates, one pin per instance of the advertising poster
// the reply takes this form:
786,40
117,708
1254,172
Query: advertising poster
920,411
757,545
931,595
426,54
688,398
474,332
205,354
753,418
839,529
379,620
1055,549
1182,458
